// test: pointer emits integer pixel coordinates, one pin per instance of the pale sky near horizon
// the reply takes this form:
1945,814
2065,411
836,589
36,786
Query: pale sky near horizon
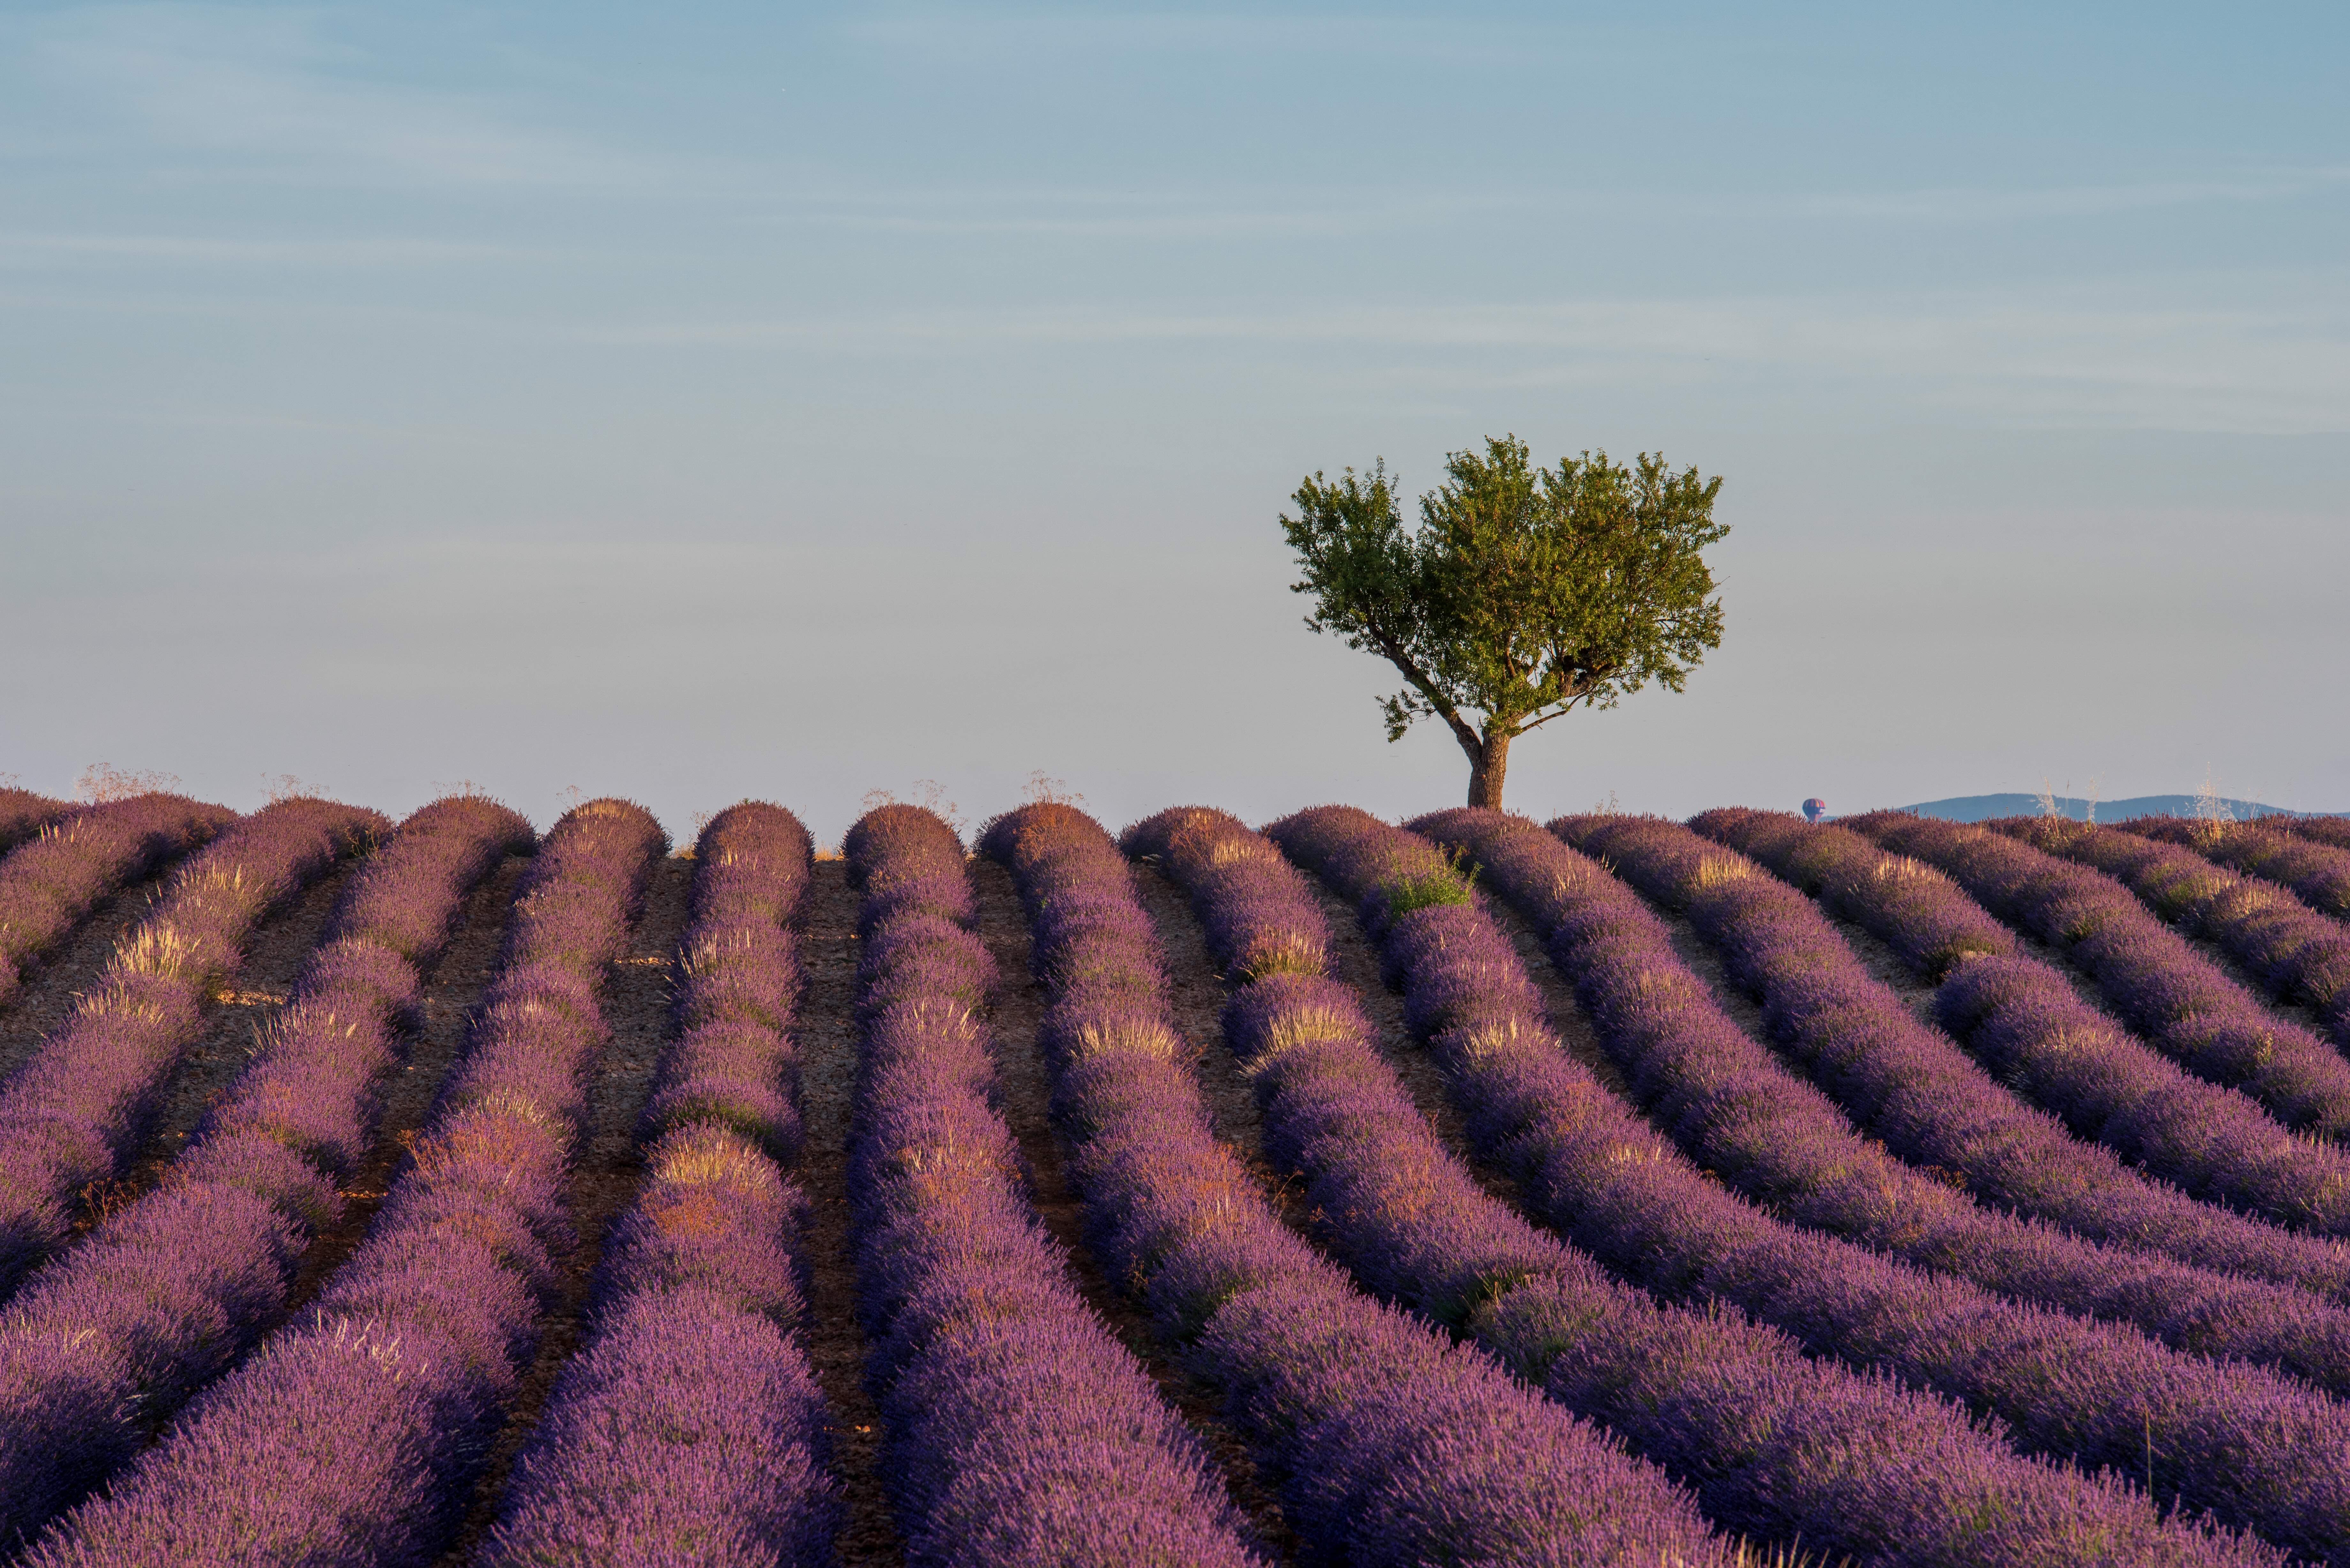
699,402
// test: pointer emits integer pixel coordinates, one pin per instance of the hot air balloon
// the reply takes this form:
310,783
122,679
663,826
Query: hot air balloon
1814,809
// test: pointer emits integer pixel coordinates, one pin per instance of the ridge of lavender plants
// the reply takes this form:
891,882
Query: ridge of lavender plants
72,1113
107,1340
2199,1432
2022,1018
2314,863
1731,1104
1908,1085
23,814
1019,1430
690,1426
351,1437
1391,1444
2171,996
2328,830
1848,1463
53,878
2242,890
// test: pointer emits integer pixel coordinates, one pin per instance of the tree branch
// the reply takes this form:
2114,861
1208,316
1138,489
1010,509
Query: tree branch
1470,742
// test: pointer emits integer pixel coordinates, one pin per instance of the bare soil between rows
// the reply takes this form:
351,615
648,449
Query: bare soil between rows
281,943
1353,961
452,987
1024,1087
55,981
606,1171
827,1037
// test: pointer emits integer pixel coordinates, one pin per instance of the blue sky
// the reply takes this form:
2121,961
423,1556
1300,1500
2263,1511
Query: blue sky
796,402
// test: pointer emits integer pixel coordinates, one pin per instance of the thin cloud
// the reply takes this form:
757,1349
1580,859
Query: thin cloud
1249,213
268,94
1256,36
381,251
2039,360
1957,205
1083,215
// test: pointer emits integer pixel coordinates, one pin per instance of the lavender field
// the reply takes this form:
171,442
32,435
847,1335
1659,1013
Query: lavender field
1324,1191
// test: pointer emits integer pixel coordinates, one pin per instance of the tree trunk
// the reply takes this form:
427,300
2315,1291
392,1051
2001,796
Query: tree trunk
1487,768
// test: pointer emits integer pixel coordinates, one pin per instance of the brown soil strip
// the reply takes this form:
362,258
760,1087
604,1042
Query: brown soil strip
275,953
1565,1015
1884,966
1024,1093
606,1171
836,1343
53,984
2083,986
1353,961
451,988
1198,999
2227,964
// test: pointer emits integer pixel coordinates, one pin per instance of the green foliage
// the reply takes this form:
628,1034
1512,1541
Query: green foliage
1524,592
1412,890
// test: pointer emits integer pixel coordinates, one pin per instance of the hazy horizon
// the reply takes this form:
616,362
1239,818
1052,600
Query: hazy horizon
794,403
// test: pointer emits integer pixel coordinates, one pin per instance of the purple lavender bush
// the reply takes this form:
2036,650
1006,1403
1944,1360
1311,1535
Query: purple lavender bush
1851,1465
2021,1019
2101,1393
1390,1444
167,1293
2258,918
2174,998
352,1436
2332,830
1727,1101
733,1062
73,1112
23,814
51,881
1908,1084
2311,855
691,1428
1019,1430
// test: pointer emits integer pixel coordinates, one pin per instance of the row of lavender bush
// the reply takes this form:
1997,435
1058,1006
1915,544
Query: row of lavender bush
49,883
2332,830
690,1428
2299,954
1391,1444
108,1341
70,1117
1776,1444
1729,1099
2233,1437
2305,857
23,814
1019,1430
2176,1000
2022,1018
352,1437
1908,1084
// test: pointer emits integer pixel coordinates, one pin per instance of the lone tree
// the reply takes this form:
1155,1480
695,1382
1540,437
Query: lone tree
1525,592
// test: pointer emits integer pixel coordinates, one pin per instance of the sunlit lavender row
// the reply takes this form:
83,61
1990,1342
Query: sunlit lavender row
168,1292
1592,1193
80,856
1391,1444
350,1435
71,1114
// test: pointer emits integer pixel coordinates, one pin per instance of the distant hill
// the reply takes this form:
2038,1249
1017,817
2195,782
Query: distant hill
1984,807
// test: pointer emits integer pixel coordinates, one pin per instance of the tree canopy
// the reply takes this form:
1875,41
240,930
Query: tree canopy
1524,593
